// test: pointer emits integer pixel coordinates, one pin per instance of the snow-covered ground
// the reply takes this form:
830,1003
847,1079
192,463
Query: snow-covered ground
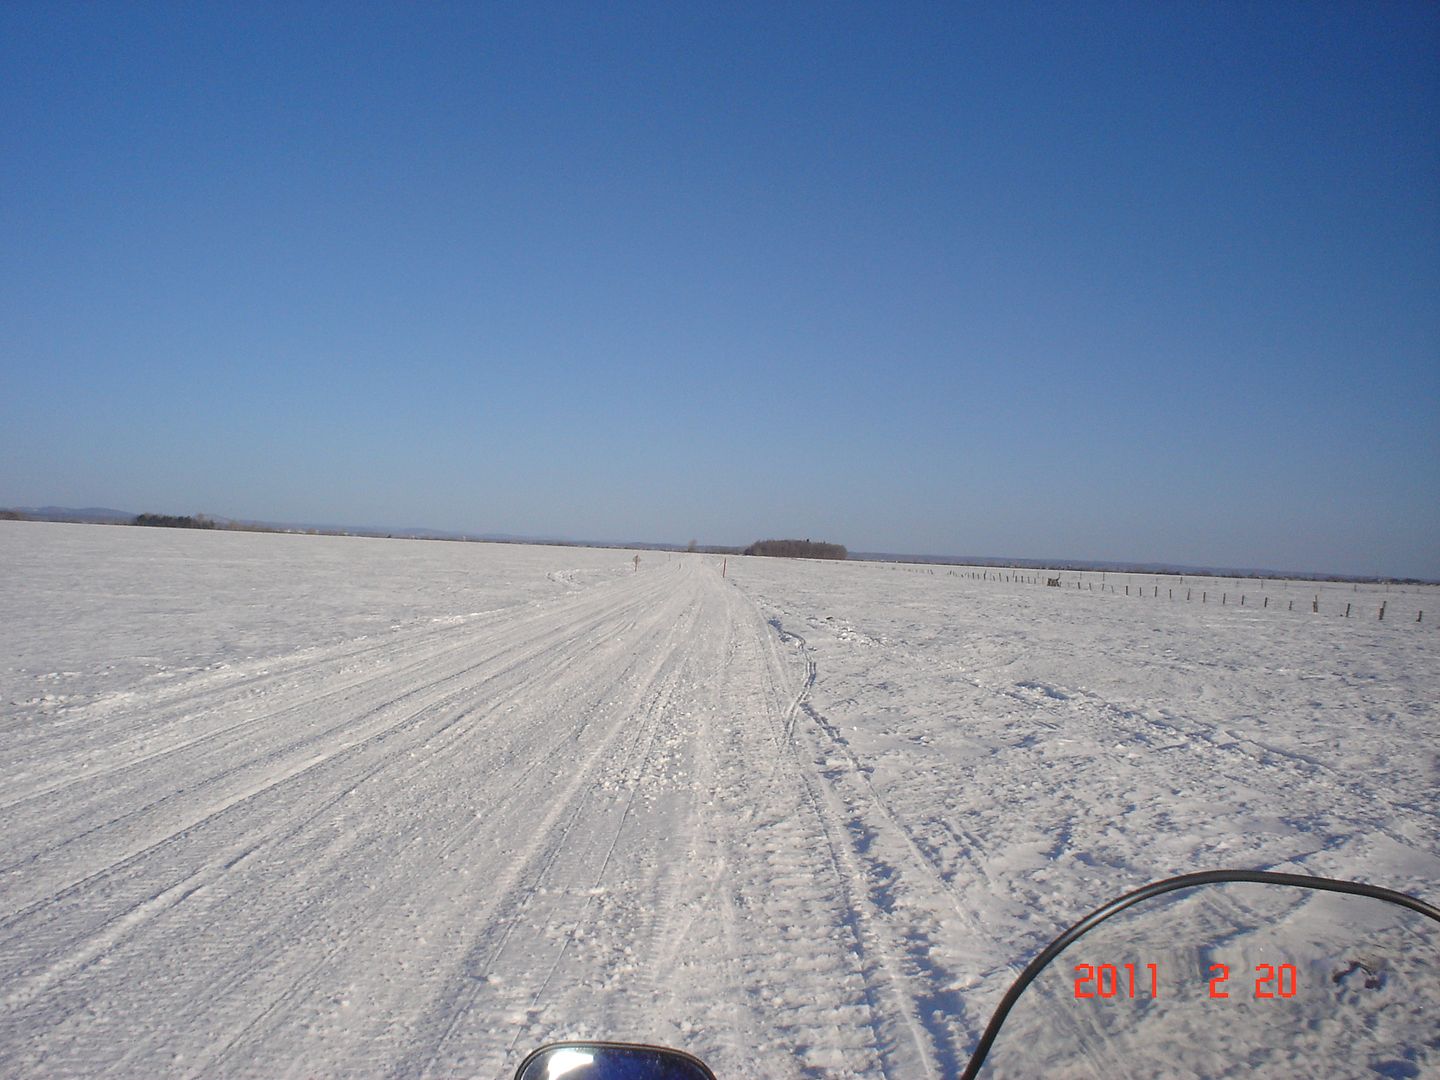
312,806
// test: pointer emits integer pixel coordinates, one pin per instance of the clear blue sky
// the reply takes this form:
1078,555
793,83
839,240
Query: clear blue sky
1133,282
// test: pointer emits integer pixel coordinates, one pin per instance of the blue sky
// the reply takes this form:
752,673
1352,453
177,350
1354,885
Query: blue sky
1130,282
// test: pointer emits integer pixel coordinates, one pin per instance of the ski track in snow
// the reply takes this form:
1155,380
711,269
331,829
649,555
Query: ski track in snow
804,820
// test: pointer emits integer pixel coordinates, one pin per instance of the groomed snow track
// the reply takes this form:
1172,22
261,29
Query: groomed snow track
424,853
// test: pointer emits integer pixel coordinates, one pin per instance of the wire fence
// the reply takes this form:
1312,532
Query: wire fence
1389,602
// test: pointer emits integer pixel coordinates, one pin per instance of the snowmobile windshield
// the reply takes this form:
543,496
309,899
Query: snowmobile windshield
1231,978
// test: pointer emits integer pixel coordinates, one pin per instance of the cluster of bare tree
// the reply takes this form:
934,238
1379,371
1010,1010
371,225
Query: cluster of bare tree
169,521
798,549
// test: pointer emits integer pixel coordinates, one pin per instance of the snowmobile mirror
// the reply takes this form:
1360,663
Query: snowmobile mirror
611,1061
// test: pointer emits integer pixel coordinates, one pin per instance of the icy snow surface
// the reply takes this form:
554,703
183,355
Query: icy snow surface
315,806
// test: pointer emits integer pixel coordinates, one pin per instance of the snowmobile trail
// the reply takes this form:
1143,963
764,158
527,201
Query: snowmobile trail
596,814
335,807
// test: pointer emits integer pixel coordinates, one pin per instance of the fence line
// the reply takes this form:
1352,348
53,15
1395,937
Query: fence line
999,576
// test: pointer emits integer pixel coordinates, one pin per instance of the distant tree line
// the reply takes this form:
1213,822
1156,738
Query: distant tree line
169,521
797,549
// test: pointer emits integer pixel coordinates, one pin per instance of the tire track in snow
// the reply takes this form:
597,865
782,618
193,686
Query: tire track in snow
798,886
844,793
510,791
175,700
208,690
534,870
493,666
597,814
858,888
106,937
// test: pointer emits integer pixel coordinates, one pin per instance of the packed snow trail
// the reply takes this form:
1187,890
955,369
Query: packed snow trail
327,806
424,853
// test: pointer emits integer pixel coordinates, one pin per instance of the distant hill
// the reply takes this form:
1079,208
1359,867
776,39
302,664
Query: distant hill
103,514
109,516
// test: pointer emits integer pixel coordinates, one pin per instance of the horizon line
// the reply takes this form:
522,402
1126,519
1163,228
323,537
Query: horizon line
97,515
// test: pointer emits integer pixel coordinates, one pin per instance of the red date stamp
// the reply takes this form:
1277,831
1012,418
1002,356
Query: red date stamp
1109,981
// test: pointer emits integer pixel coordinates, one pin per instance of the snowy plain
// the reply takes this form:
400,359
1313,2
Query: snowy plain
279,805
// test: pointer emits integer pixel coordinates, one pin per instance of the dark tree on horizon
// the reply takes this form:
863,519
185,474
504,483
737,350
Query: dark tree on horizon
798,549
168,521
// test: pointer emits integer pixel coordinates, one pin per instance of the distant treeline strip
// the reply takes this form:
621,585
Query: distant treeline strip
798,549
171,521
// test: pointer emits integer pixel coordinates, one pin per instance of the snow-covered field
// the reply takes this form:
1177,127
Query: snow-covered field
312,806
